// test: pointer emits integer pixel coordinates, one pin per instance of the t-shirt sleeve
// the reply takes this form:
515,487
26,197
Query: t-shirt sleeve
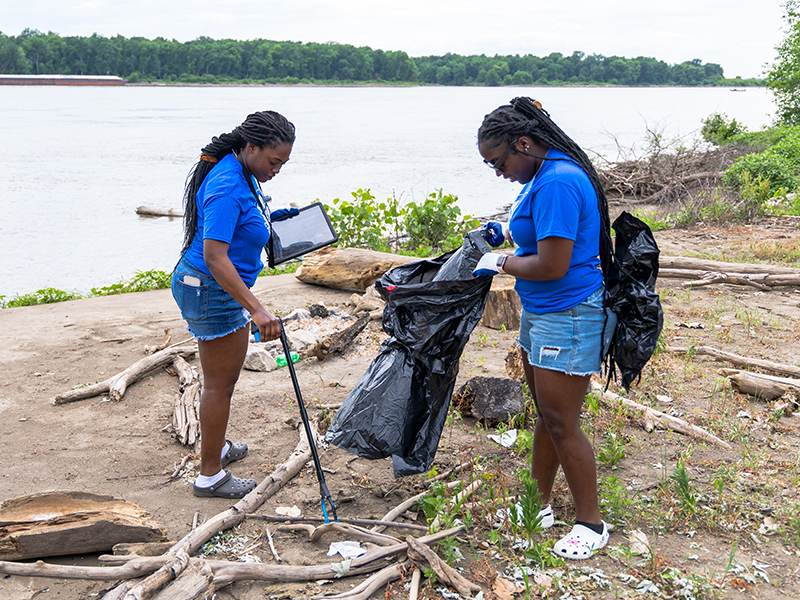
222,211
557,210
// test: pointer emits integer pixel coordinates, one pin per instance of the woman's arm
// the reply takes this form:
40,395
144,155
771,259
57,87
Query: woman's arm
551,263
215,255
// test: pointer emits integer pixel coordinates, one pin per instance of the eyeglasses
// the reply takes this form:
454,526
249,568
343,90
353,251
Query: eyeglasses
497,165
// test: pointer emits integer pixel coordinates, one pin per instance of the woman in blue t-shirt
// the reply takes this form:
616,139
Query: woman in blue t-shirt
225,228
560,226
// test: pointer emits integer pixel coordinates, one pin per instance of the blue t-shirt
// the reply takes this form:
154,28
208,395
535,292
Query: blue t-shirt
559,202
228,212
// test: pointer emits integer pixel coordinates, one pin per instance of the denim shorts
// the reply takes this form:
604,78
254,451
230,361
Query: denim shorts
569,340
210,311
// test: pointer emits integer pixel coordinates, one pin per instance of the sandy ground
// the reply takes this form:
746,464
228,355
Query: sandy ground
121,448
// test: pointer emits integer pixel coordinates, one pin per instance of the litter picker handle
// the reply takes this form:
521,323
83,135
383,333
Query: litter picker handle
323,488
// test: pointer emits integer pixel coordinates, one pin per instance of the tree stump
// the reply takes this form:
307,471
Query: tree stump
352,269
502,305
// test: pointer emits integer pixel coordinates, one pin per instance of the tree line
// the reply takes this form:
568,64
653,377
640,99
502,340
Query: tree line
205,60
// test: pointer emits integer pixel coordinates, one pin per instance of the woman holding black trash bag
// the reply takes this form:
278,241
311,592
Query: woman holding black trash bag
226,226
560,226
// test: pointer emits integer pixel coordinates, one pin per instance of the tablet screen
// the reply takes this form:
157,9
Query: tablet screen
296,235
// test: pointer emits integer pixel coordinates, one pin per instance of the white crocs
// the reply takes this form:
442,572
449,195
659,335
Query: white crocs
581,542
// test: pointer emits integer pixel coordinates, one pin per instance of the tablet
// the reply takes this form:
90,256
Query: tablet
293,236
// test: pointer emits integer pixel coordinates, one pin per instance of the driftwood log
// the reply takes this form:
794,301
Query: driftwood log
715,266
117,385
177,559
186,414
147,211
351,269
765,387
738,360
762,281
64,523
337,342
652,417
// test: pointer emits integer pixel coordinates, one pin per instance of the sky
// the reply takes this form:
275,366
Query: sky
738,35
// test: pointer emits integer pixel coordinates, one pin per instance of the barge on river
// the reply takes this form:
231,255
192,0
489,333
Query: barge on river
61,80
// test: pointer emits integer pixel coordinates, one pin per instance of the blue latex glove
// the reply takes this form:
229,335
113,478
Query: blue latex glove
281,213
493,233
487,265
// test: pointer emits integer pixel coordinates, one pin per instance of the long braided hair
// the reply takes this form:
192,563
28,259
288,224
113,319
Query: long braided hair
263,129
526,117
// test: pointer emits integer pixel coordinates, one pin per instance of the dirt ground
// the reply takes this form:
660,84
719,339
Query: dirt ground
121,448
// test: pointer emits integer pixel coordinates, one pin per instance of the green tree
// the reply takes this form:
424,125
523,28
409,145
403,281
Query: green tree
783,76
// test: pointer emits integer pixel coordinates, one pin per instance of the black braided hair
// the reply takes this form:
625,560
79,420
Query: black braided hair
263,129
525,117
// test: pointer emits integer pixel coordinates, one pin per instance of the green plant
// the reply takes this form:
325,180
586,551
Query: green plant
362,223
142,281
612,450
44,296
614,501
436,225
718,130
526,512
682,485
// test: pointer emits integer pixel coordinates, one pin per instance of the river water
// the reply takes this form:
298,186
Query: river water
79,160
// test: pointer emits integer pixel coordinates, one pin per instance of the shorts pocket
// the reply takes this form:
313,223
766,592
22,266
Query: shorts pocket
191,299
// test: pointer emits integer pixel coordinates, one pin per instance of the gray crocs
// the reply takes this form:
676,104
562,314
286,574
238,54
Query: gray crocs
235,452
228,487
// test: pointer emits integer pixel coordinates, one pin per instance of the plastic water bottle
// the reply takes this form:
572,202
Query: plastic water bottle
281,358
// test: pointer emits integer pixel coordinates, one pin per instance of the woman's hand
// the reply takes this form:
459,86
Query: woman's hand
269,328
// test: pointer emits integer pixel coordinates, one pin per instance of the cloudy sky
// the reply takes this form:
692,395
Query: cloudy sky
739,35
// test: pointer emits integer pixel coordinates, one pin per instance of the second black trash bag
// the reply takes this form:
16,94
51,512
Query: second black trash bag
632,296
399,406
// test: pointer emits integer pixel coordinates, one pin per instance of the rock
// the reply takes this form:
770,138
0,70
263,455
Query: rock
258,359
492,399
300,340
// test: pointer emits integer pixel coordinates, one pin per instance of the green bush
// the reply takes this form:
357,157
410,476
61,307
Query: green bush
142,281
436,225
425,229
44,296
718,130
771,165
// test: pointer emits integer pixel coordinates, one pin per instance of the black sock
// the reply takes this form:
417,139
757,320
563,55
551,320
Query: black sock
598,529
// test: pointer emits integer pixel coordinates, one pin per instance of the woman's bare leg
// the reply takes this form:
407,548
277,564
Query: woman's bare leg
221,360
559,440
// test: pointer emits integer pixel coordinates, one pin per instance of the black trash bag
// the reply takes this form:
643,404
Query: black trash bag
399,406
632,296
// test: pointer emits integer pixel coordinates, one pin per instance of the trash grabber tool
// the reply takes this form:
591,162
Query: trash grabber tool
323,488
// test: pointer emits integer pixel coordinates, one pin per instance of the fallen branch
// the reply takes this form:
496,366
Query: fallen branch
115,386
165,342
405,505
186,413
715,266
176,560
765,387
652,417
371,584
225,572
736,359
762,281
147,211
283,519
337,342
423,557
